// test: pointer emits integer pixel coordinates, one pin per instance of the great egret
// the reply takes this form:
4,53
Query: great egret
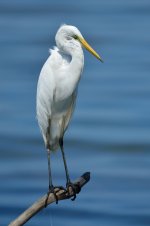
57,91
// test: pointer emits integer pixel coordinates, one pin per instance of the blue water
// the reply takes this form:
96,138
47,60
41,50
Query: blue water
110,131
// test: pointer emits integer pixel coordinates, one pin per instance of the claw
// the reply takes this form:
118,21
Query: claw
52,191
60,188
73,187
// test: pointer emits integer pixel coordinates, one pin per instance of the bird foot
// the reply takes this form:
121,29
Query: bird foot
75,189
54,192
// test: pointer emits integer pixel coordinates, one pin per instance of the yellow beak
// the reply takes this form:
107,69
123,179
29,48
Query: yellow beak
89,48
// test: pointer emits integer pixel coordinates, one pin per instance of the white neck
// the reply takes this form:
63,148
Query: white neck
77,63
73,71
74,50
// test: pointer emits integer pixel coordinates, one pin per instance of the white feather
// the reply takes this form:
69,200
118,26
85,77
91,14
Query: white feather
57,86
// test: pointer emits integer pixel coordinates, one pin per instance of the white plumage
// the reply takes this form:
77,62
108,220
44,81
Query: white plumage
57,86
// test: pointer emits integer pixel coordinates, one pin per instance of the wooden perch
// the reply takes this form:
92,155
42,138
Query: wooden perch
40,204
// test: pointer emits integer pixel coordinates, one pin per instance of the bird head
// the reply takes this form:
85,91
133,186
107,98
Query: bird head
71,36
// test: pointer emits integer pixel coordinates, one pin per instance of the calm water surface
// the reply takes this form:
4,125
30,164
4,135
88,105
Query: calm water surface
110,131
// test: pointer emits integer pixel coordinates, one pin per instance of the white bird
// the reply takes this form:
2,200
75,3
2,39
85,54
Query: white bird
57,91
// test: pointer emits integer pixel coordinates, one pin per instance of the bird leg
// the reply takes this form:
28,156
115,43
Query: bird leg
50,185
51,188
69,184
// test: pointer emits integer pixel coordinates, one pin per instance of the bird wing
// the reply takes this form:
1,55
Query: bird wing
46,90
53,112
70,111
44,98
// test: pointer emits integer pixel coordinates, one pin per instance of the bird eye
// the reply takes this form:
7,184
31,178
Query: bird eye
75,37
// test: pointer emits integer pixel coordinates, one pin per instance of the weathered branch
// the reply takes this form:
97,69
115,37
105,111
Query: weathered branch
40,204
